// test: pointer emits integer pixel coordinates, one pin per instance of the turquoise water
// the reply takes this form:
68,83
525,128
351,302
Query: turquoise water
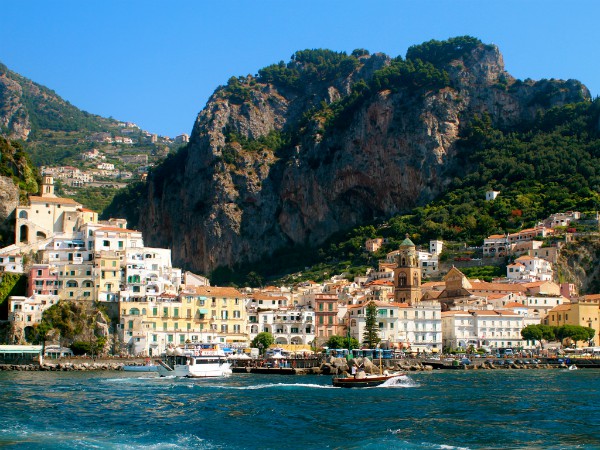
438,410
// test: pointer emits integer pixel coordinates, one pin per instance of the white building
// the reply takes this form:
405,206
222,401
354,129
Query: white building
482,328
436,247
416,326
491,195
288,325
11,263
45,216
529,268
25,312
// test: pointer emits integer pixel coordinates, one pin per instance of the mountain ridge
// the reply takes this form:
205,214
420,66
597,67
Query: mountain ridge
352,145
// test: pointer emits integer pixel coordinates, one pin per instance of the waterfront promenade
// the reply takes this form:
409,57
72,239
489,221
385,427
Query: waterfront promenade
313,366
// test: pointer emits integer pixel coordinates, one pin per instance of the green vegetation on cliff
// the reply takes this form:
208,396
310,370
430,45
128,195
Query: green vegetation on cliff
552,166
15,163
10,284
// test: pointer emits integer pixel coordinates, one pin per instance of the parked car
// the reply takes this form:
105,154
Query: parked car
465,361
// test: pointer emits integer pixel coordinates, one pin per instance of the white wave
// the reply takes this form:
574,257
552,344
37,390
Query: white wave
401,381
274,385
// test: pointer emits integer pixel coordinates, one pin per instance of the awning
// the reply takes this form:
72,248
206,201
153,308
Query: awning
203,311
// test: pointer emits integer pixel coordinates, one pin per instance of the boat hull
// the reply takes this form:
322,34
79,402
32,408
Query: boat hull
193,370
140,368
369,381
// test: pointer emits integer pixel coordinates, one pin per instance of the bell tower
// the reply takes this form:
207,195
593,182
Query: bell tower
47,186
407,274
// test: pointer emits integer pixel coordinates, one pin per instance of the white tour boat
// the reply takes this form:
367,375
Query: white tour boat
148,366
194,361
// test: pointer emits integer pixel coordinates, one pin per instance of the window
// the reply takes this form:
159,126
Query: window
106,243
120,244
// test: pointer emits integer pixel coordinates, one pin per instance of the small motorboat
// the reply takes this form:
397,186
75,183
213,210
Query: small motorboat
362,380
573,367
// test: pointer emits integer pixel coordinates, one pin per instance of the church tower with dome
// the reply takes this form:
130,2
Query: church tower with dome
407,274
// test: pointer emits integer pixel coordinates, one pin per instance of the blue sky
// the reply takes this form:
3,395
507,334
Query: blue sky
157,62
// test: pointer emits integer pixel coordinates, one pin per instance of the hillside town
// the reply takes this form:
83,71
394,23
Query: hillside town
116,158
68,255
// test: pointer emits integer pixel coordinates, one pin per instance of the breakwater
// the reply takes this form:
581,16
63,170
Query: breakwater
327,366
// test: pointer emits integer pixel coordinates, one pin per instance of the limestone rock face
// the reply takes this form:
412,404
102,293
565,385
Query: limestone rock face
9,197
9,200
218,203
13,114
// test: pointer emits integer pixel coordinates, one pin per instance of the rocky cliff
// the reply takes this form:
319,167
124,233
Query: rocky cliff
18,178
328,141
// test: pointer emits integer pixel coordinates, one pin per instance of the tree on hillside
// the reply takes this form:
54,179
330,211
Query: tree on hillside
371,334
263,340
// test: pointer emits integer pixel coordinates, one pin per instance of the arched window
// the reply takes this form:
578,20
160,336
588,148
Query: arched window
87,283
402,279
72,284
23,215
403,261
416,279
134,312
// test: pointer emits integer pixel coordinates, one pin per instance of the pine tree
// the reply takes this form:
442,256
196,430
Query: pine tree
371,334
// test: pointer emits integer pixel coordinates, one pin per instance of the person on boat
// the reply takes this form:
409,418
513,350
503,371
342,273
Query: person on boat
353,370
361,372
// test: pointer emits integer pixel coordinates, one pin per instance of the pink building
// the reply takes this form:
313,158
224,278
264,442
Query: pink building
43,280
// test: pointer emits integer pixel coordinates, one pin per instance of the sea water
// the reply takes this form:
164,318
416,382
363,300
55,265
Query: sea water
544,409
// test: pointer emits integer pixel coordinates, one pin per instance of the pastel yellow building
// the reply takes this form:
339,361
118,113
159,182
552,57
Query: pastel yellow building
76,282
198,314
108,275
584,311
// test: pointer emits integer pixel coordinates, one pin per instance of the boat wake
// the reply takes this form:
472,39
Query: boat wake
275,386
401,381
